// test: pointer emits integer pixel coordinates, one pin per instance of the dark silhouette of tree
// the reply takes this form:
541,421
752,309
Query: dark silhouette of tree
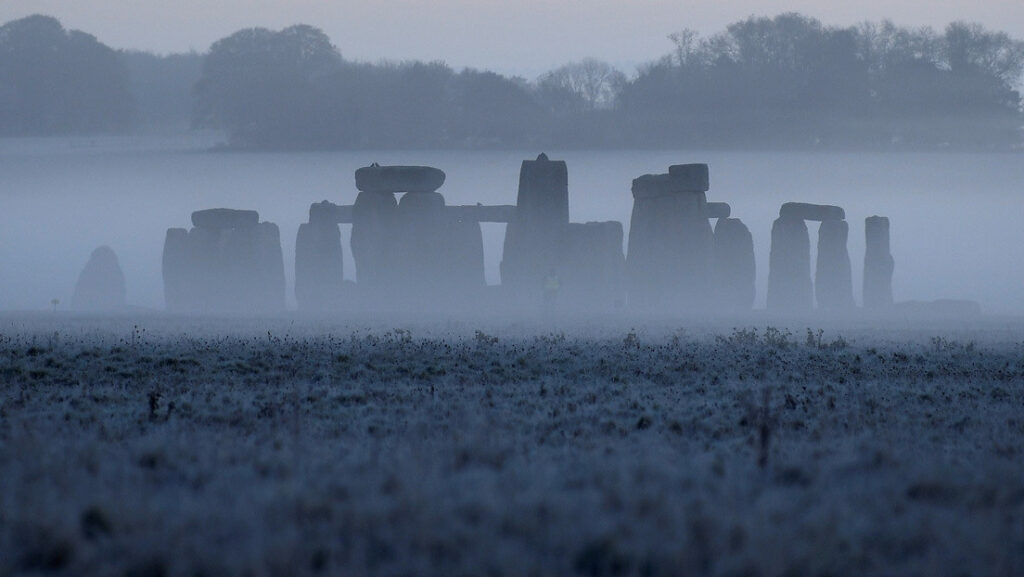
161,86
57,81
269,89
492,110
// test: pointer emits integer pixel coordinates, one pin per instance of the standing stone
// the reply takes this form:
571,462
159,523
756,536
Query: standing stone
238,289
535,236
670,244
421,246
789,268
734,267
465,255
100,286
269,264
206,282
373,230
593,267
319,272
833,279
176,267
878,263
229,262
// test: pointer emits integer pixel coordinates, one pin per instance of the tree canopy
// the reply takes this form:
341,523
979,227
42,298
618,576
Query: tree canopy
784,81
57,81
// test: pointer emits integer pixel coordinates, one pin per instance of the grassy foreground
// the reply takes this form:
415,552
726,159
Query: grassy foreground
161,448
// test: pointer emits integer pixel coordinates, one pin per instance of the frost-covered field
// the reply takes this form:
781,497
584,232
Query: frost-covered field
289,446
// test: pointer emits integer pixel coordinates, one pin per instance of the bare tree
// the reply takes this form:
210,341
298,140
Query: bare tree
687,44
585,85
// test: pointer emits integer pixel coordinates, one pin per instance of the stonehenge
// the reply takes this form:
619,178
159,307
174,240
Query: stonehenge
593,267
807,211
229,262
734,270
319,262
414,252
833,277
100,286
535,235
670,240
878,263
789,266
790,288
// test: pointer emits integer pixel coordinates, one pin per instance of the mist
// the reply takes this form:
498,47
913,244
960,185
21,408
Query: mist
750,305
953,215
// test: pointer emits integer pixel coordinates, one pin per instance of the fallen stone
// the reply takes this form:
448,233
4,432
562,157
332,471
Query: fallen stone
376,178
224,218
807,211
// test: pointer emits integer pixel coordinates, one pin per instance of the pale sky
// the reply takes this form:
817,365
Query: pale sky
524,37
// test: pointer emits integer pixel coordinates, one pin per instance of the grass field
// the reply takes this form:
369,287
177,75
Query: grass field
161,446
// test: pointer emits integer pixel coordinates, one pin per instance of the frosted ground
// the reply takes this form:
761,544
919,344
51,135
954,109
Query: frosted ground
289,446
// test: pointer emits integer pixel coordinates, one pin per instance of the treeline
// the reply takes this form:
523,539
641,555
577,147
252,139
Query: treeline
787,81
55,81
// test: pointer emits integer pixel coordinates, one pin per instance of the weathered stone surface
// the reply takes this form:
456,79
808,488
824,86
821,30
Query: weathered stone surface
100,285
234,270
207,285
807,211
833,279
734,268
691,177
376,178
465,255
789,269
535,236
669,258
685,181
326,212
176,267
592,272
878,263
224,218
270,268
319,269
238,288
422,240
653,186
373,229
718,210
